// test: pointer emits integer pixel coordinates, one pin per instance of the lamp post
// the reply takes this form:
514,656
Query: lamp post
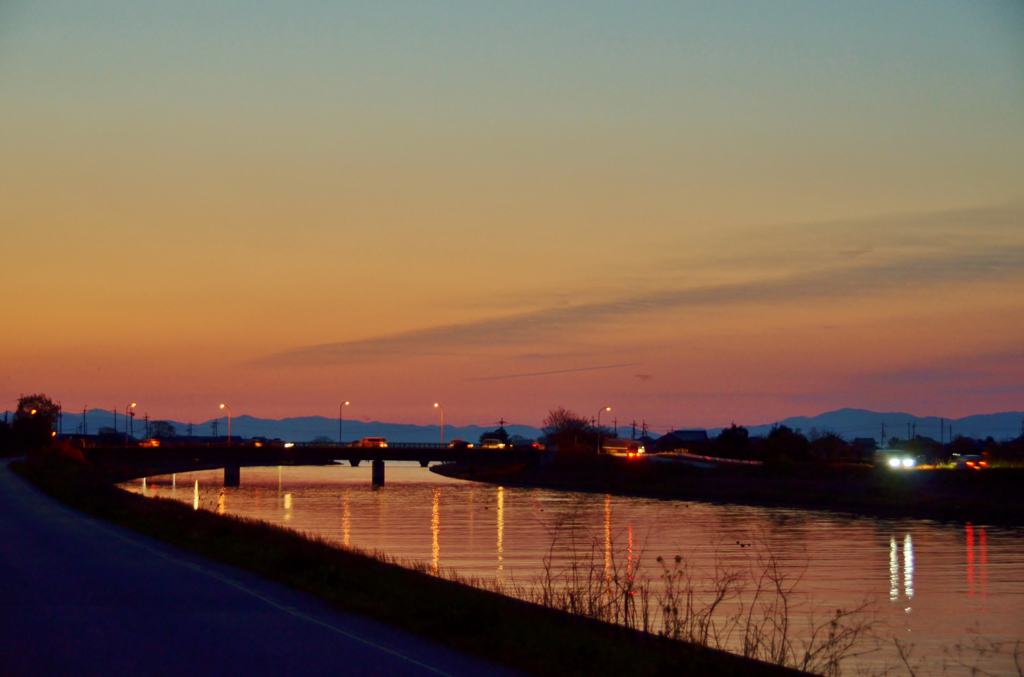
437,405
341,422
599,412
224,406
126,414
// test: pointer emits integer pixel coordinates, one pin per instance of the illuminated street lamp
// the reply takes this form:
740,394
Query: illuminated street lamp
126,410
224,406
437,405
599,412
341,421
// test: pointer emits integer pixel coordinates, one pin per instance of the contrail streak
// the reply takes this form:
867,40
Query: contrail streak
548,373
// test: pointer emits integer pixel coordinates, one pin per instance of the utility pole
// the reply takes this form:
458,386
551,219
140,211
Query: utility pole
85,426
633,435
882,443
615,423
146,418
644,428
213,427
190,429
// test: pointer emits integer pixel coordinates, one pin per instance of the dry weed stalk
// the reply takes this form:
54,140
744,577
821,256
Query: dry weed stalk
694,608
746,610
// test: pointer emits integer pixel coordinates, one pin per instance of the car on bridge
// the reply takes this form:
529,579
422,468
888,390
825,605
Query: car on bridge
459,444
373,442
491,443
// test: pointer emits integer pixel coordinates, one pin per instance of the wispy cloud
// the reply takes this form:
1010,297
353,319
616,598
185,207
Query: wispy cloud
996,253
550,373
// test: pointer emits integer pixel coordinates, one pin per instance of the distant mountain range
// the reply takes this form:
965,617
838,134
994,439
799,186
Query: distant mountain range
849,423
301,429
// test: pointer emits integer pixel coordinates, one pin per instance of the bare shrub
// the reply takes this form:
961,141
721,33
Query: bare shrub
750,611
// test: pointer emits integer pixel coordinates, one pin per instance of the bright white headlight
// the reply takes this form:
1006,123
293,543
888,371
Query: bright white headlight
894,462
908,463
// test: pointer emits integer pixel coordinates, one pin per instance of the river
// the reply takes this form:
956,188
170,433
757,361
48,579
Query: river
929,585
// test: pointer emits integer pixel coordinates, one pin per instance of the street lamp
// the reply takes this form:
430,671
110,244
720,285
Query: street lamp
341,421
126,410
437,405
224,406
599,412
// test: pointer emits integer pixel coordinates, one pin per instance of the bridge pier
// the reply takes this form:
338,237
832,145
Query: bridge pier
424,464
354,462
233,474
377,476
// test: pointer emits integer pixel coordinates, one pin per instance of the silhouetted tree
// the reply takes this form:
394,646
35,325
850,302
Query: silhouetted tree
568,431
162,430
783,444
733,442
34,421
828,446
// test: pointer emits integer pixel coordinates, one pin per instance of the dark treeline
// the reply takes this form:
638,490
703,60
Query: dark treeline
785,445
566,430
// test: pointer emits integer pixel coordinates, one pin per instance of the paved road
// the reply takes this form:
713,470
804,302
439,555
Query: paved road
82,597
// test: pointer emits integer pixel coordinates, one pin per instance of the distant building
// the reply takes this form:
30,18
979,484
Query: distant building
690,440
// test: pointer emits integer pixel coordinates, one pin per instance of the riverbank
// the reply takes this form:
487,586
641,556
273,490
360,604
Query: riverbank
994,496
525,636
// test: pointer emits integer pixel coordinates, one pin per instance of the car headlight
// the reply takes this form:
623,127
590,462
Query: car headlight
908,463
894,462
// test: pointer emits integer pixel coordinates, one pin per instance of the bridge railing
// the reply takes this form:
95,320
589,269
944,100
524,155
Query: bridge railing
390,445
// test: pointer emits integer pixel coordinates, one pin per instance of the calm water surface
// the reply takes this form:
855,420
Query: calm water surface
931,584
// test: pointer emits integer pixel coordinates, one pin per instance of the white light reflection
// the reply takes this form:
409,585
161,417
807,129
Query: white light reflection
144,490
908,567
288,507
195,497
894,570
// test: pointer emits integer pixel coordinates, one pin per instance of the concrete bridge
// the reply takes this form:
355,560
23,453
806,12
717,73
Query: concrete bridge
125,463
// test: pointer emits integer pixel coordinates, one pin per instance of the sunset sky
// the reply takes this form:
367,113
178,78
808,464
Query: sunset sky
693,212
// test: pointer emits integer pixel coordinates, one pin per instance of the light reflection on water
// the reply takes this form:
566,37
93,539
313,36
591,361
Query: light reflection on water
960,578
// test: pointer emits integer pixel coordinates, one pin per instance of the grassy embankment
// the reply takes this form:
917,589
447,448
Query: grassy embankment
993,496
525,636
